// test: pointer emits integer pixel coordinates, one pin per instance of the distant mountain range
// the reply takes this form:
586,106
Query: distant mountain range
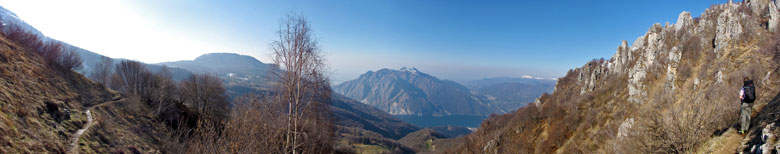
245,74
224,64
408,91
510,92
240,73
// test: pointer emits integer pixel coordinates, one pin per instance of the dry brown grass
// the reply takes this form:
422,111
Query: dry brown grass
727,143
54,52
40,107
679,120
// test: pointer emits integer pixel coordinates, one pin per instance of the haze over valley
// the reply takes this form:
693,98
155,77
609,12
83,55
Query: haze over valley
303,76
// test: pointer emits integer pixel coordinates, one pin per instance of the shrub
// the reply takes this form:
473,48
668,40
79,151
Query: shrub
54,52
51,51
70,59
128,77
24,38
101,71
206,95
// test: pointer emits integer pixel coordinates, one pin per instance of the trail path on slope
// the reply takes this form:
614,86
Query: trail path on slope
74,141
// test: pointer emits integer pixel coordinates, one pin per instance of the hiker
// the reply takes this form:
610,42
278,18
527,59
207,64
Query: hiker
747,95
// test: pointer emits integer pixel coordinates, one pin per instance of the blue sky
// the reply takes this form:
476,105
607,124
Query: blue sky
457,40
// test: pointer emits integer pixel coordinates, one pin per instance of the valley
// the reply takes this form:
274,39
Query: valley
443,120
707,83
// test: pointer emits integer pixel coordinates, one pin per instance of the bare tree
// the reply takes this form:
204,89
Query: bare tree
51,51
206,95
70,59
301,85
128,77
101,71
165,89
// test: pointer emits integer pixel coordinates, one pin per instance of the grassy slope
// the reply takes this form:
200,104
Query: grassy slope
568,121
40,109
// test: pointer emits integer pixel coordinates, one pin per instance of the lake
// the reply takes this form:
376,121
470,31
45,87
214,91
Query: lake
432,121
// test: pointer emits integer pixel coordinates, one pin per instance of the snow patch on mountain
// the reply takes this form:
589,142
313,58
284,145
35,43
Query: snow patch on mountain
410,70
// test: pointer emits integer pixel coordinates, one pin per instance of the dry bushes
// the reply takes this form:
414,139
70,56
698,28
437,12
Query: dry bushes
197,98
55,53
771,47
206,95
667,127
128,77
70,59
293,118
18,34
256,125
102,71
51,51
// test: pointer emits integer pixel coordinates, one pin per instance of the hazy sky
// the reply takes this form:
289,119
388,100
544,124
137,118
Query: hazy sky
457,40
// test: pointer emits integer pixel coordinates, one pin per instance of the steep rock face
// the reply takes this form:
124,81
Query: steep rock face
673,70
622,56
410,92
729,28
684,20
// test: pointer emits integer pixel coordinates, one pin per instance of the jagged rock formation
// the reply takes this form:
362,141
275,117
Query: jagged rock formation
648,96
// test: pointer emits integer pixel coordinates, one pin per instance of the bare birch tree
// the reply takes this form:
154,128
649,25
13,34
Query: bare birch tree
301,85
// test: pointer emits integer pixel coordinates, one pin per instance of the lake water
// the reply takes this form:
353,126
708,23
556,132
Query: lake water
432,121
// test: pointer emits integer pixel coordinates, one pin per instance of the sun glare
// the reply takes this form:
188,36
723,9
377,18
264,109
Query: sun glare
106,27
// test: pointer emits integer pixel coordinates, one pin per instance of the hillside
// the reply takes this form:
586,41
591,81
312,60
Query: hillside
674,90
409,91
223,64
91,58
352,114
43,108
240,73
77,115
243,74
430,141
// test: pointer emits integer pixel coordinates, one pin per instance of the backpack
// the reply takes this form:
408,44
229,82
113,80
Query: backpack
750,93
